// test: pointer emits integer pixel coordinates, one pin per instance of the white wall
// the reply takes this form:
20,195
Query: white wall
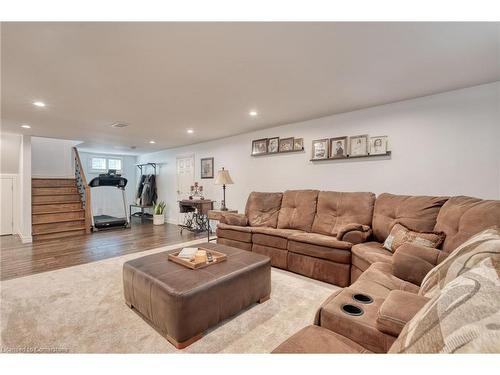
52,157
10,144
444,144
108,200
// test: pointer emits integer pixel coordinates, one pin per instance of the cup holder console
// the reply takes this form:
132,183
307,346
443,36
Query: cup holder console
352,310
362,298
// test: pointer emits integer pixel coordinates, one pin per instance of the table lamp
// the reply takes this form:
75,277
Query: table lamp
223,178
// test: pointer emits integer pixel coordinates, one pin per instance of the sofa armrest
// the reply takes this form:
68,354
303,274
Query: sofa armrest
397,310
231,218
412,262
354,233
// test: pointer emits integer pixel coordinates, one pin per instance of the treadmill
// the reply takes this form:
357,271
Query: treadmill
100,222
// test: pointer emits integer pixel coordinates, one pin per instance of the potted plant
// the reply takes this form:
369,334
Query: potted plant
158,214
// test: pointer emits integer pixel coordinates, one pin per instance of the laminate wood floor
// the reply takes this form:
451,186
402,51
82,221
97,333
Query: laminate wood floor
18,259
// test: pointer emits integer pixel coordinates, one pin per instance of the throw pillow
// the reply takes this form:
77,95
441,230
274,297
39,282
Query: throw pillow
400,235
460,260
463,318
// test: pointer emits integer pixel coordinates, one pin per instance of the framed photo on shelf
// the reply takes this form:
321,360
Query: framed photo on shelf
338,147
286,144
259,146
298,144
207,168
273,145
378,145
320,149
358,145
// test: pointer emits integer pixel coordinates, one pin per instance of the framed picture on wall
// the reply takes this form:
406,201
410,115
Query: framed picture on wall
286,144
207,168
298,144
358,145
378,145
273,145
338,147
259,146
320,149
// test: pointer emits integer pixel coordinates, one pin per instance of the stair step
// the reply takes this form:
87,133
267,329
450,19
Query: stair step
52,182
56,212
60,226
58,217
59,198
54,190
61,207
50,236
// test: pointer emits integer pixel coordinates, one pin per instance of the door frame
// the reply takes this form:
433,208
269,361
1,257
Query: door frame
15,200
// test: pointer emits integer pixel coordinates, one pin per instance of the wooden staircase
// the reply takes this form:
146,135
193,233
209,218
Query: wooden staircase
60,207
57,209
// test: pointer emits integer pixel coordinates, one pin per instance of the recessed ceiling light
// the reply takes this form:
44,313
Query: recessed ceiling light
119,125
253,113
190,131
152,142
26,126
39,104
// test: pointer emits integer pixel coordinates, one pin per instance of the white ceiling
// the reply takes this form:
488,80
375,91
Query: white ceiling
163,78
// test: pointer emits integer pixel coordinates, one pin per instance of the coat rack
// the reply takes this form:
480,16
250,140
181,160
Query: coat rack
141,166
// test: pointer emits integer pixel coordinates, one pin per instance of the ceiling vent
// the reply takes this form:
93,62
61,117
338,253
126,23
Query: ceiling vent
119,125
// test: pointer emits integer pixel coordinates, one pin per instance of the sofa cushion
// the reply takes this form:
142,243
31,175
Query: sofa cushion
462,217
365,254
462,318
273,237
336,252
400,235
320,240
283,233
417,213
314,339
378,281
298,208
235,235
336,209
483,245
235,227
262,209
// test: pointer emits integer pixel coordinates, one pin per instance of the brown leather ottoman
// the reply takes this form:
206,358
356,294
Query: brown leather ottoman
181,303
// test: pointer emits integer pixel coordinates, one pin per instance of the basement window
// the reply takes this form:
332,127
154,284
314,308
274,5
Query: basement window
115,164
98,164
101,164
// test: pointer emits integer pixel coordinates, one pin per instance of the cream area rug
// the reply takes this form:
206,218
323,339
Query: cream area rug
81,309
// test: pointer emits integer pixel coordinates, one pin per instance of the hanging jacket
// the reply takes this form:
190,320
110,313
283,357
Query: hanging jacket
149,195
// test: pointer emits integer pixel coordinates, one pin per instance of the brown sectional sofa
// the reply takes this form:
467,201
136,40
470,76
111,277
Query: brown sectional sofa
336,236
305,231
394,286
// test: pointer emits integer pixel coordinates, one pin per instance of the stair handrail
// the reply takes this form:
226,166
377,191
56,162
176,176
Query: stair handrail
83,189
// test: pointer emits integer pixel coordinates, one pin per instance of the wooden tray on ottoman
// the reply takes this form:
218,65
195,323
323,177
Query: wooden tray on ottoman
217,258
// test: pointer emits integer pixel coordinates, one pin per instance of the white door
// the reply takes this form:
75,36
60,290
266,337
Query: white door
7,194
185,176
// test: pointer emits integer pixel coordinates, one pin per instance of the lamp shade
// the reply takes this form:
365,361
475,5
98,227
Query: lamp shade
223,178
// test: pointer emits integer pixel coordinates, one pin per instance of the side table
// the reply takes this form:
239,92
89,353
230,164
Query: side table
215,215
